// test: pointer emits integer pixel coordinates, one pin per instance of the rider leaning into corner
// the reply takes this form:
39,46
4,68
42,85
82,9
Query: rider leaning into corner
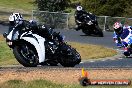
121,37
78,16
16,21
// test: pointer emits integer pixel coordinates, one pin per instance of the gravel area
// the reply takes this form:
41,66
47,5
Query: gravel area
64,76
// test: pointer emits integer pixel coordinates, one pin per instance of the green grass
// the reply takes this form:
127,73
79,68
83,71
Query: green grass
87,51
26,5
6,55
48,84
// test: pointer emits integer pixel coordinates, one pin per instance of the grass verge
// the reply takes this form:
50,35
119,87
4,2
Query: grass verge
87,51
17,4
24,7
47,84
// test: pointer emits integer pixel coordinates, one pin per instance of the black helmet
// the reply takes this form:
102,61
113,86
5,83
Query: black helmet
33,25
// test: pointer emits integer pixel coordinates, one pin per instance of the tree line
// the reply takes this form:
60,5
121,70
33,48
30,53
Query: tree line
98,7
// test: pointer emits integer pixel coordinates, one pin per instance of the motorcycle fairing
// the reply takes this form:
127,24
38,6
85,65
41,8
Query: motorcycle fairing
128,37
13,34
38,42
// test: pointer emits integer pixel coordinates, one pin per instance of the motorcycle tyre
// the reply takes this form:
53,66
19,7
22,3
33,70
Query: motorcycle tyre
67,62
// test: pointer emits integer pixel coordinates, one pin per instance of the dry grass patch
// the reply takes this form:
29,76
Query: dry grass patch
1,38
26,5
62,76
88,51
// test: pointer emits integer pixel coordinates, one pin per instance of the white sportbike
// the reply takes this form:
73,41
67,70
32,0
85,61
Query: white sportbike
30,48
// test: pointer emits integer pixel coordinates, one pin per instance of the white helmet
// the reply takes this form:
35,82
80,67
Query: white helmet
79,8
118,27
15,17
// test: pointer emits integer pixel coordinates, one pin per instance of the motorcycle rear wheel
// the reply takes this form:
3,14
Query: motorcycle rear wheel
69,58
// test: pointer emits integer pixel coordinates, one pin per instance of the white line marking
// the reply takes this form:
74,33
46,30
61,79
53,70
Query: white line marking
120,58
91,61
103,60
119,50
112,59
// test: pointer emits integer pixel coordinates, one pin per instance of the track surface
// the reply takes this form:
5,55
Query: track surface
107,41
78,36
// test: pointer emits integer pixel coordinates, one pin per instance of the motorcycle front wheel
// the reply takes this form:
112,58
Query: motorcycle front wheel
26,54
86,32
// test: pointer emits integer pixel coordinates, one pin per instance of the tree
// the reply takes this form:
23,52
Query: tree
107,7
52,5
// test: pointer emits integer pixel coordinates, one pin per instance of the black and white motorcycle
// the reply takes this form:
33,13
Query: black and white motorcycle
30,49
90,25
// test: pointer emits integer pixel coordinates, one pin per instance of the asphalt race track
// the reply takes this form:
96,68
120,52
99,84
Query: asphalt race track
3,29
78,36
106,41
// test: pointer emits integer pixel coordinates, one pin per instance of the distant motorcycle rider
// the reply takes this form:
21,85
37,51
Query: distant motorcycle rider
79,16
121,36
119,33
118,30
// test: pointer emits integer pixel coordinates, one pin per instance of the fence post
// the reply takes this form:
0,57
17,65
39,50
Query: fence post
32,14
67,23
105,22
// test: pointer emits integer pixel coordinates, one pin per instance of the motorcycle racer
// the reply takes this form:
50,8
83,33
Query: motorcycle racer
122,37
17,23
118,29
79,16
87,22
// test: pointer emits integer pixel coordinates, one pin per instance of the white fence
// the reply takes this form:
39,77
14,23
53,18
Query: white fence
67,21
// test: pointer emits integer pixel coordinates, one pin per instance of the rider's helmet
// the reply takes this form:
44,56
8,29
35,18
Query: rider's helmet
79,12
15,18
118,28
79,8
33,25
